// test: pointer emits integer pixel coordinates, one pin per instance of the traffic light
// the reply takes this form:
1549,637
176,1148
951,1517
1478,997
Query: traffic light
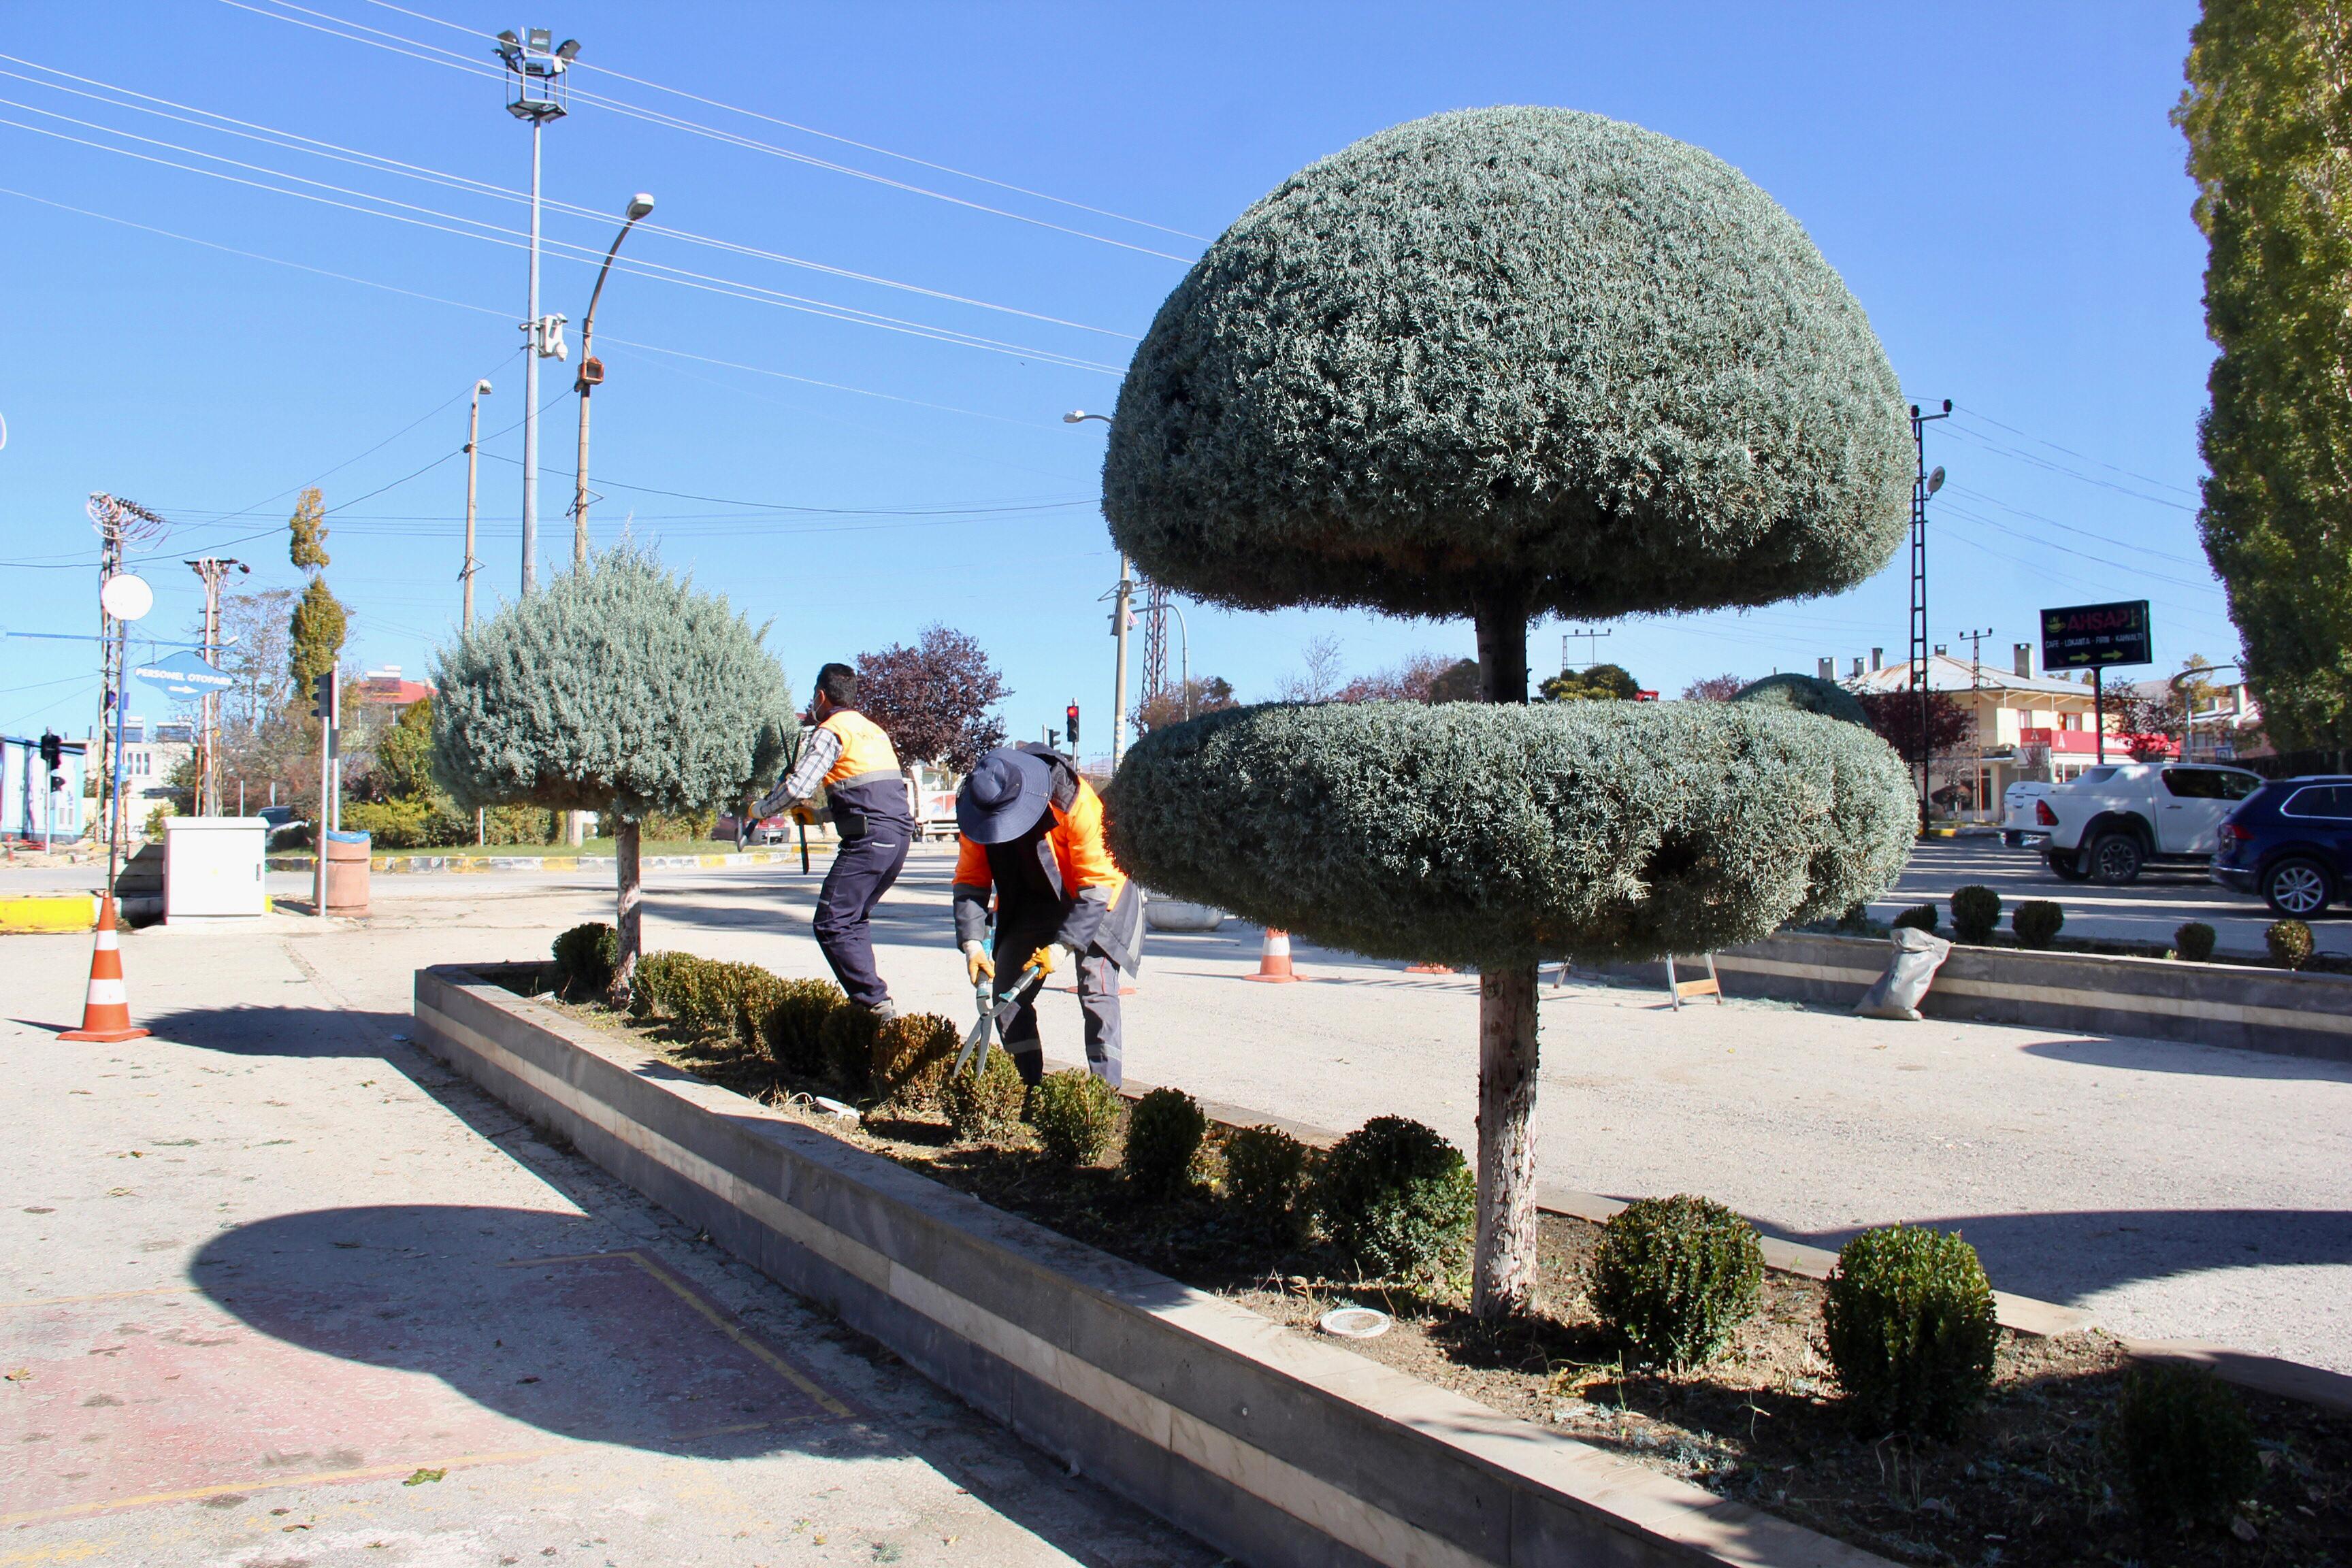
53,751
326,698
1070,723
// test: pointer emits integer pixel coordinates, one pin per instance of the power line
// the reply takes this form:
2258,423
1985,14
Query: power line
2054,522
2076,475
432,54
2069,451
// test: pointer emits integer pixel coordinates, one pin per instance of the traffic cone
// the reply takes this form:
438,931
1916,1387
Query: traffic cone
1428,969
1274,959
106,1015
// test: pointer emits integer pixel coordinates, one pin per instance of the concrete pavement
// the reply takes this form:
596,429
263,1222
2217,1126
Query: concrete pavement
280,1290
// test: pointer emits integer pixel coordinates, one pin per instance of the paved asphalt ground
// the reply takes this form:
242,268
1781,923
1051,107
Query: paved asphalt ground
2177,1191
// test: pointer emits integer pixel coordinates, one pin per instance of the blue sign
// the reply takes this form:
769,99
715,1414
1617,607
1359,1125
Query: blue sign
184,675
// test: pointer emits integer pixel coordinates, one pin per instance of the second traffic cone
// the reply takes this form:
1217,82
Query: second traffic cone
1273,958
106,1015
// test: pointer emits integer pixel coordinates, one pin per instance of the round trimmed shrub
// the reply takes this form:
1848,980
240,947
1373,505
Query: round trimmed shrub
1806,693
2037,923
2289,943
1908,1317
661,979
1524,343
1673,1276
845,1045
1397,1200
584,957
1918,917
984,1104
2185,1444
911,1056
2194,941
793,1028
1075,1115
1164,1135
1266,1177
1975,914
1486,835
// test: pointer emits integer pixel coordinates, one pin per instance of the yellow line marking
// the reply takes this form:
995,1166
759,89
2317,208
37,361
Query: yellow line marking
323,1477
719,1321
104,1296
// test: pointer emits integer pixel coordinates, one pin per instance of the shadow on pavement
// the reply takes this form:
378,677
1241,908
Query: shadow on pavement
261,1031
2066,1256
519,1312
2125,1054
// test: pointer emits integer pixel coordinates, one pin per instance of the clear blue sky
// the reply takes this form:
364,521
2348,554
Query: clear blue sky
1998,184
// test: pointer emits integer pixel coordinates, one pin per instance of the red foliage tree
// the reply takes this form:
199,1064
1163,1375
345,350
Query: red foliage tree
933,699
1895,716
1714,689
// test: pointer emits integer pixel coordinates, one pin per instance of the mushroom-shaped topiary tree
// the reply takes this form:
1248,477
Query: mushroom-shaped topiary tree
620,688
1808,693
1499,364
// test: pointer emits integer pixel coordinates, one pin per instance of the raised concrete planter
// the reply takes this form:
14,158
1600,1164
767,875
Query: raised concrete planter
398,864
2156,998
1274,1447
1177,915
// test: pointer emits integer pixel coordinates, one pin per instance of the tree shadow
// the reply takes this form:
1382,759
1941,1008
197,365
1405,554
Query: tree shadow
2124,1053
266,1031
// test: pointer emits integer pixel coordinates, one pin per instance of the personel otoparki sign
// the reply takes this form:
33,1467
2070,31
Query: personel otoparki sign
2089,637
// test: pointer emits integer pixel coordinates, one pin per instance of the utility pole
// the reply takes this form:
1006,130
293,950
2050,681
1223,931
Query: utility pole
1976,683
120,524
212,569
537,96
1119,619
1923,485
589,377
473,473
1592,643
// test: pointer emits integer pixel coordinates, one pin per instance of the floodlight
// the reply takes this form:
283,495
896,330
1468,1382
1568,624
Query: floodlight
640,205
509,39
482,388
568,51
1936,480
541,38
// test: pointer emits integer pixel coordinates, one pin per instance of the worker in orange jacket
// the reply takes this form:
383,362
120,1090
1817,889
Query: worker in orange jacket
1030,830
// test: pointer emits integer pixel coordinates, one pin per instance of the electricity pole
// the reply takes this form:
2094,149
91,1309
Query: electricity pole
538,87
1923,485
589,377
1592,643
473,472
212,569
1976,682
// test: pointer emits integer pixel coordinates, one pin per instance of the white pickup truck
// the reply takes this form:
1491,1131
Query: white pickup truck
2106,824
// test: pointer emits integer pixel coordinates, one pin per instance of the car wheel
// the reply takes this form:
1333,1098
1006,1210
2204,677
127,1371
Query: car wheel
2297,889
2116,858
2065,865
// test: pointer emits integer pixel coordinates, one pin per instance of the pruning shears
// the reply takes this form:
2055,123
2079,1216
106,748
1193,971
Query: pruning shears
997,1010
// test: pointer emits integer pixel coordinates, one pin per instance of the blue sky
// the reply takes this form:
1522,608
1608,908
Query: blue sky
1998,184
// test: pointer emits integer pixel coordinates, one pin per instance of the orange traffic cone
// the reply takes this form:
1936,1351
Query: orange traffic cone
1274,959
1428,969
106,1015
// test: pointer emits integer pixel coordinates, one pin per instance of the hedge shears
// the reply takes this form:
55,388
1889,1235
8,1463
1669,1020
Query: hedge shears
998,1009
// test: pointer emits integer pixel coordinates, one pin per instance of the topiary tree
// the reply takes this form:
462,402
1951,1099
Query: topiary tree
1806,693
619,689
1498,364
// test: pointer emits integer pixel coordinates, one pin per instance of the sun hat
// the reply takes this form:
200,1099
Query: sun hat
1004,797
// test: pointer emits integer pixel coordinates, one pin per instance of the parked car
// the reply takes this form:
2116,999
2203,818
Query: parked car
767,830
2292,843
2115,819
2017,824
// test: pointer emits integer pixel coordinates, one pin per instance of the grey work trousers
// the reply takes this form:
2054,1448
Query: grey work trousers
1097,1000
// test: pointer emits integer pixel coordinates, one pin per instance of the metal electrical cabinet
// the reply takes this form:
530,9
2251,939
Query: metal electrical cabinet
212,868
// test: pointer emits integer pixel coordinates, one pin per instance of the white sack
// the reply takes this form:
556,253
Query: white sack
1896,993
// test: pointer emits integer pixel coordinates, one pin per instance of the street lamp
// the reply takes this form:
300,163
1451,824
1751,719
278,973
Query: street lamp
591,376
537,64
1118,619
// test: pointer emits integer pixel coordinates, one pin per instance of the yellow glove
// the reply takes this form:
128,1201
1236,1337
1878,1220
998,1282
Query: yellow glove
1042,962
977,964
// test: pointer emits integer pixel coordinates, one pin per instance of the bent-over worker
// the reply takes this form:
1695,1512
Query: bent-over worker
849,757
1031,829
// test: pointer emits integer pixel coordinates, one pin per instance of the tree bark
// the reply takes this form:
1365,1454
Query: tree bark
629,920
1503,1267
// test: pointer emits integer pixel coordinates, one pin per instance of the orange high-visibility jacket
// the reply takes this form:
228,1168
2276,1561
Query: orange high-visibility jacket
1098,910
1079,852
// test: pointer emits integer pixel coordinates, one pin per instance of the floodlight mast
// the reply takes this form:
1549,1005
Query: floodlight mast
535,65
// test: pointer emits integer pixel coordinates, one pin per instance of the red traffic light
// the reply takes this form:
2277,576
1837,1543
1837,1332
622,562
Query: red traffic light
1070,723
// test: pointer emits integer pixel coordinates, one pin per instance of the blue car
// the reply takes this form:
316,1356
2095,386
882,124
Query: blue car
2291,841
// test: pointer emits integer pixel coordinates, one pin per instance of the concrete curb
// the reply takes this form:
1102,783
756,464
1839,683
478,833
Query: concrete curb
2272,1010
1277,1448
398,865
49,913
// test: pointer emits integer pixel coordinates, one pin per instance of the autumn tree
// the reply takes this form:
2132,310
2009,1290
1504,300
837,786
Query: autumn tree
2270,146
1173,705
1496,364
1714,689
935,700
1598,683
618,688
1893,717
1414,680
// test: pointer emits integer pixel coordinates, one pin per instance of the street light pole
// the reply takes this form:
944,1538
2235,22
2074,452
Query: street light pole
1924,485
473,472
591,376
212,569
538,72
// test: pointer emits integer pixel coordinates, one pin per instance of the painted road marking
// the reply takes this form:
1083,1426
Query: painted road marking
322,1477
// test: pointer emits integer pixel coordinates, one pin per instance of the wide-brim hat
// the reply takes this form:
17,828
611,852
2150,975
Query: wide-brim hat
1004,797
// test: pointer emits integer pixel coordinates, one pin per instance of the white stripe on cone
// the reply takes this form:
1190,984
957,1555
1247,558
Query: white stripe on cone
108,994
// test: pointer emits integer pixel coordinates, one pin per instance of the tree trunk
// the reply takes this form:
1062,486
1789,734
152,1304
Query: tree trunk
1502,1268
630,923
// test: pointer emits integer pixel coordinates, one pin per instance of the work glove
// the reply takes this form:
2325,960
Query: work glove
1052,956
977,964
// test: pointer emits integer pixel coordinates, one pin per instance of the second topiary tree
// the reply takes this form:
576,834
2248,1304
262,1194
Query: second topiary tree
1497,365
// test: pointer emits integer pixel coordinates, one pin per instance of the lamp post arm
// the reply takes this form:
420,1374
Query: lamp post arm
584,387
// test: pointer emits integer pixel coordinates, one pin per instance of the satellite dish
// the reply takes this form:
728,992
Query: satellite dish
126,596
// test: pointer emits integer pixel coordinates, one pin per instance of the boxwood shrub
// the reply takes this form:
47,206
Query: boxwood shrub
2037,923
1975,914
910,1059
845,1048
2194,941
1163,1137
1075,1115
1267,1176
2185,1446
584,957
1490,835
2289,943
793,1028
1908,1317
1674,1277
1397,1200
1918,917
985,1103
